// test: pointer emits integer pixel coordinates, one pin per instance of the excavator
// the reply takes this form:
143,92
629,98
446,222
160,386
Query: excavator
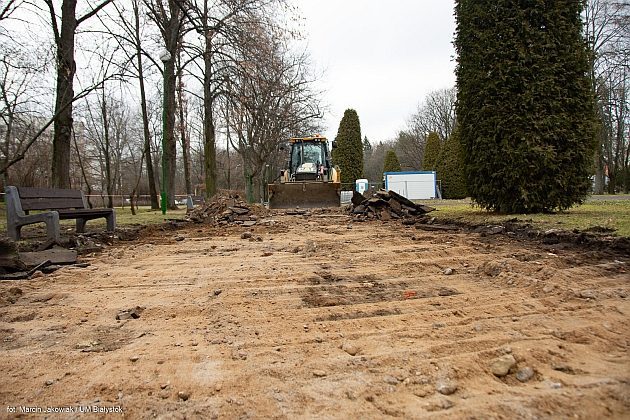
310,179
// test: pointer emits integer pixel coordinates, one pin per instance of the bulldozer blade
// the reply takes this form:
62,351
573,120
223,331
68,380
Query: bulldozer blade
304,195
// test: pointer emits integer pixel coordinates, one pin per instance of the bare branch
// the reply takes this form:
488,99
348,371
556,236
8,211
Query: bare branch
92,12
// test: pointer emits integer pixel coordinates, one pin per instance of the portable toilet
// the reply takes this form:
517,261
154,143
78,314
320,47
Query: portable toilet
362,185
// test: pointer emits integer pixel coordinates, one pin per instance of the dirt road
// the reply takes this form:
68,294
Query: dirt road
317,317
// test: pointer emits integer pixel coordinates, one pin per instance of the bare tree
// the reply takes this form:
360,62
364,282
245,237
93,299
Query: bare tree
128,29
8,7
606,29
184,134
17,94
373,166
220,23
64,37
168,17
270,101
107,126
410,145
435,114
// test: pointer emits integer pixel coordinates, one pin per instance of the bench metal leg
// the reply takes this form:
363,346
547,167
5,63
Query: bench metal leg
111,222
14,231
52,225
81,225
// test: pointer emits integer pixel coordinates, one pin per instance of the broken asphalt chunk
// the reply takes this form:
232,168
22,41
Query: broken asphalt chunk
133,313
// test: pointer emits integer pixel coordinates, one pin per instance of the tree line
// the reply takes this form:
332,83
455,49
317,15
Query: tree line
540,114
128,97
140,96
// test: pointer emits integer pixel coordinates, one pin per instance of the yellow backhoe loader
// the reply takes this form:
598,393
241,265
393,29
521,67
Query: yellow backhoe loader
310,180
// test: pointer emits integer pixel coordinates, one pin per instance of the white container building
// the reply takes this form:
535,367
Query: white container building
414,185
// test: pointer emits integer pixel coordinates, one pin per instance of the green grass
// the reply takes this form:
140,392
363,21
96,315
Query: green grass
144,216
613,214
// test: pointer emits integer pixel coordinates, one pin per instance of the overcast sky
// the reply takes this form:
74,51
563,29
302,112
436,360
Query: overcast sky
379,57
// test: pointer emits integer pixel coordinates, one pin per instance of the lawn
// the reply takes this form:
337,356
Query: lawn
143,216
611,214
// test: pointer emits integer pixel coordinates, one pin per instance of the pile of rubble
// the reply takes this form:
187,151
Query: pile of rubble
21,265
226,209
386,205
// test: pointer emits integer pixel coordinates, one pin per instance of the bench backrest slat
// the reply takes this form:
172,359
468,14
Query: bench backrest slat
50,199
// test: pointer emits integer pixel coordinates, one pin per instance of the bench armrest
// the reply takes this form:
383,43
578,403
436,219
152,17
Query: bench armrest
14,207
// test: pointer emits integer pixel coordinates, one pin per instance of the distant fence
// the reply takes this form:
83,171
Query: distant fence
120,200
98,200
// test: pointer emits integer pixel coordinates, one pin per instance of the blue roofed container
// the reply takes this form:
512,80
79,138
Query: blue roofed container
414,185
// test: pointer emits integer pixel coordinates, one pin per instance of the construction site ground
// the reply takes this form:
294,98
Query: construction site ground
317,316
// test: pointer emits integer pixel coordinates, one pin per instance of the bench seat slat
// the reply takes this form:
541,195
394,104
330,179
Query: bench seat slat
31,192
51,203
73,214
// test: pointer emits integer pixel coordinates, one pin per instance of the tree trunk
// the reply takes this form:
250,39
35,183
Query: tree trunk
107,153
145,114
229,164
66,68
598,188
132,202
169,145
249,187
171,34
183,132
83,173
209,143
6,146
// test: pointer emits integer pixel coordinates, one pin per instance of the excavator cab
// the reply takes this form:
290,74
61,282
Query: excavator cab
309,161
310,179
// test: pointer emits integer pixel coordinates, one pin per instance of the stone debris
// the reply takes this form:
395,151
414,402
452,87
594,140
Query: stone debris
226,208
350,348
386,205
501,365
183,395
446,386
391,380
133,313
587,294
525,374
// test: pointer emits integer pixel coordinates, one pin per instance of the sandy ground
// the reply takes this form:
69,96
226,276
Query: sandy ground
314,317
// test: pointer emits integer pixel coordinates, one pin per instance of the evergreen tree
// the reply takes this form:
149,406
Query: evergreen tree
348,154
431,152
524,104
391,163
450,168
367,147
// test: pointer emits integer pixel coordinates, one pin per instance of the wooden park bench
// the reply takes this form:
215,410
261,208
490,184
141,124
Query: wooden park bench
60,204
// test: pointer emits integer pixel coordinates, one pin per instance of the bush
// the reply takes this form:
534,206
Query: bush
391,163
349,151
450,169
431,152
524,104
